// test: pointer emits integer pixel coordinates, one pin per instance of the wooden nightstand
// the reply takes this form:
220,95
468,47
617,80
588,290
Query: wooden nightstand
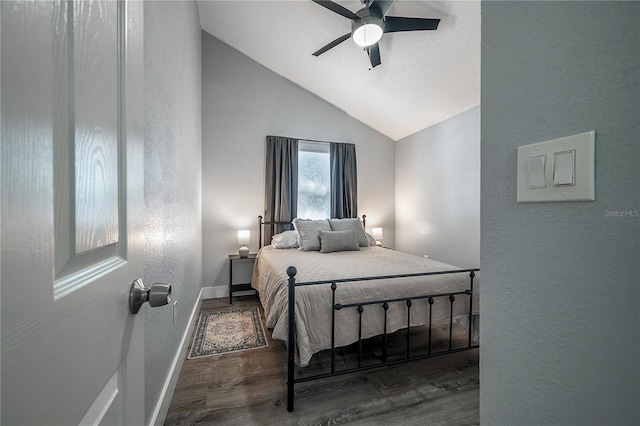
235,287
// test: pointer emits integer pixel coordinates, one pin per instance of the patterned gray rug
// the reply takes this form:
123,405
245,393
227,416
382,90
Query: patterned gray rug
230,330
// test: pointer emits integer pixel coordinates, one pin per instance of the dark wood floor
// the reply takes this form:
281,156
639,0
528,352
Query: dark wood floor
249,388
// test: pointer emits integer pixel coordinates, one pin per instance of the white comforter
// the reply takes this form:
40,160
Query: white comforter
313,303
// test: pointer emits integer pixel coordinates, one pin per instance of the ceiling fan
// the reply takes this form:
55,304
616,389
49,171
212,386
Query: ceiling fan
369,23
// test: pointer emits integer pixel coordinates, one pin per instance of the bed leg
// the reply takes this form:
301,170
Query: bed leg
291,271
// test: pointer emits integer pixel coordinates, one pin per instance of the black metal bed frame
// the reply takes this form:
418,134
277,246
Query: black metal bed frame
384,304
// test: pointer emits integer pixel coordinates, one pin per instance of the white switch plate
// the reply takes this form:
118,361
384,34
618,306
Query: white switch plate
583,188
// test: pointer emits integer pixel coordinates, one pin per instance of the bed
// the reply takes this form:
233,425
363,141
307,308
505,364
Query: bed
317,300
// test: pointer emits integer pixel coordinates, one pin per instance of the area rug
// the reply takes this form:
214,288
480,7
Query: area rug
229,330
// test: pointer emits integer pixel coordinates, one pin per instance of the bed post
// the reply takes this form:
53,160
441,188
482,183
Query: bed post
291,271
471,275
259,232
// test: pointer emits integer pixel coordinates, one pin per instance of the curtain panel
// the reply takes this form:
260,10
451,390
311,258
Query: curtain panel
344,181
281,185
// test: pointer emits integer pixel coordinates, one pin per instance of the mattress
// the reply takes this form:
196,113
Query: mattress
313,307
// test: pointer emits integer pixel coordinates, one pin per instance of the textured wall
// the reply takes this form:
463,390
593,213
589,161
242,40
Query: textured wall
438,191
560,288
173,178
243,102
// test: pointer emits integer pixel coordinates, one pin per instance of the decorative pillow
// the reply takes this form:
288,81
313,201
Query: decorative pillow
331,241
350,225
308,233
285,240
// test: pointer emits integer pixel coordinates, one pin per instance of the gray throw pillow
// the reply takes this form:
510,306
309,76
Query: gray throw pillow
350,225
331,241
308,231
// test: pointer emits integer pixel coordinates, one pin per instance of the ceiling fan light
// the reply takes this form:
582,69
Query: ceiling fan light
367,31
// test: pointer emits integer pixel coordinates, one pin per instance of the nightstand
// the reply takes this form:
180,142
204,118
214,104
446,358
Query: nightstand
235,287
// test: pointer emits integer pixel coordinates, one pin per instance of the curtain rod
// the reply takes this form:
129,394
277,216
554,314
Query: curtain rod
307,140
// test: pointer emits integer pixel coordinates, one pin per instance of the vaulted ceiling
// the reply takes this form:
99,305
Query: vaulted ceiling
425,76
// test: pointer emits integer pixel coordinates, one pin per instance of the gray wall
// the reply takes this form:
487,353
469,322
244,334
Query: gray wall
243,102
560,287
173,178
438,191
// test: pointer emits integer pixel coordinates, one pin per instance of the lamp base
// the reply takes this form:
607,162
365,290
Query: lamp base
243,251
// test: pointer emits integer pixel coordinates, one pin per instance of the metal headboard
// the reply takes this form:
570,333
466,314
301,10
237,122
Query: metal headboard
272,224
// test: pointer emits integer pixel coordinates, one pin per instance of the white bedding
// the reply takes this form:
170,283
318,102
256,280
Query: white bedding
313,303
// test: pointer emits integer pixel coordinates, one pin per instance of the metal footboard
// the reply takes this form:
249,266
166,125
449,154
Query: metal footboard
360,307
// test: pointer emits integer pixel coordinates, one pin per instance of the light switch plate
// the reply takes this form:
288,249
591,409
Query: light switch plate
583,188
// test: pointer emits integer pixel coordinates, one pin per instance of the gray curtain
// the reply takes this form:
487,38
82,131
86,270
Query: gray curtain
344,181
281,185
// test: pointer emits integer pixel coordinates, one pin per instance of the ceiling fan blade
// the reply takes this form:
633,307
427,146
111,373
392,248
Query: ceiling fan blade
331,45
340,10
374,55
381,6
394,24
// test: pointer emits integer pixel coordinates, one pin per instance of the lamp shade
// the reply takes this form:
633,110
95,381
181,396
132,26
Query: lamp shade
244,236
376,233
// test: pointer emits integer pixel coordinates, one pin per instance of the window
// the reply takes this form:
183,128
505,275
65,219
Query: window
323,174
314,180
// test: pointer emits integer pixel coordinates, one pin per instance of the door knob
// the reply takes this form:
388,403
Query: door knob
158,294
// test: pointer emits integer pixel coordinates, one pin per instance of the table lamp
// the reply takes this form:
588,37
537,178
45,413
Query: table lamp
244,237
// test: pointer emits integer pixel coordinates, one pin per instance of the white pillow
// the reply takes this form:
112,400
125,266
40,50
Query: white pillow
370,239
285,240
308,233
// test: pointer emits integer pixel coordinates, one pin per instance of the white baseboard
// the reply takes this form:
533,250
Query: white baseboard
162,406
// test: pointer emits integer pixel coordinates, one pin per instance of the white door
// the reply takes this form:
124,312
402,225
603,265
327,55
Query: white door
72,200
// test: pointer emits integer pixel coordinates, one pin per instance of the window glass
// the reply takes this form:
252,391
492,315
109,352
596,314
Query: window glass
314,180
